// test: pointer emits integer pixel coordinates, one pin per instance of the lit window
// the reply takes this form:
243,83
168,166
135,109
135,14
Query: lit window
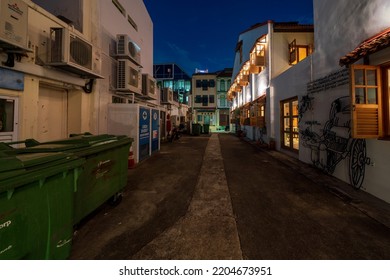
297,52
366,94
289,122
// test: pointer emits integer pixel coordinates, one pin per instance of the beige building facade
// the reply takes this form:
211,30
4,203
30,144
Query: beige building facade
61,69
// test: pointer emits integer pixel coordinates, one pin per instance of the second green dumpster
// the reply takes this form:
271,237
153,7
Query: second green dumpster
105,169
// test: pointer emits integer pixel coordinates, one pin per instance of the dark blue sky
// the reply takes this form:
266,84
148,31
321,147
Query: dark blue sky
203,34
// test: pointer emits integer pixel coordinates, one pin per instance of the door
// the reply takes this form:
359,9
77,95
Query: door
289,124
8,119
52,113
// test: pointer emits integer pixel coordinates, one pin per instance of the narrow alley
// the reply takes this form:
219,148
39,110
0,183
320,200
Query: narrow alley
218,197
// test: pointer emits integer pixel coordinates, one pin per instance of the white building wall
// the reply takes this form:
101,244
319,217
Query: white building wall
340,26
38,77
291,83
248,39
279,52
87,112
111,23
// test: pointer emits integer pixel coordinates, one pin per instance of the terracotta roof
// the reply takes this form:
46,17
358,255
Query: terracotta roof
367,47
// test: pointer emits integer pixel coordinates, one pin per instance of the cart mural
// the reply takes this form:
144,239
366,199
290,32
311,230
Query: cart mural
335,143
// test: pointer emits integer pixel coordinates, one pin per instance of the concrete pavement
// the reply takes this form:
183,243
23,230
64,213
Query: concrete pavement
220,198
208,230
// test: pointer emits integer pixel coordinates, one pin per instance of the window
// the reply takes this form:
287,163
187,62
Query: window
200,118
289,124
205,100
366,94
211,99
205,84
198,83
297,52
211,83
7,108
168,84
222,85
179,85
222,101
198,99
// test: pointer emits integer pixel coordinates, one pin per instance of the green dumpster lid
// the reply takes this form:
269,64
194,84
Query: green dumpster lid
81,145
18,177
50,147
85,139
13,161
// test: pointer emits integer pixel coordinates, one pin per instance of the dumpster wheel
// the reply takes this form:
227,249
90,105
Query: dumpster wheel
115,199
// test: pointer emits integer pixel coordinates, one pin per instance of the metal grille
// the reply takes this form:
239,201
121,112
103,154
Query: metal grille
56,45
80,52
121,45
122,74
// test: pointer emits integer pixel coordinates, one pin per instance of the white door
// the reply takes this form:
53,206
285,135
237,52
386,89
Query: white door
52,113
8,119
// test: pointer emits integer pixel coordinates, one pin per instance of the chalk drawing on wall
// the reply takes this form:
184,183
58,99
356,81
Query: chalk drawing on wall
335,143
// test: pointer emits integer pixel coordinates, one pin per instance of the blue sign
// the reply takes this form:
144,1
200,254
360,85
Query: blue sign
144,126
11,79
155,126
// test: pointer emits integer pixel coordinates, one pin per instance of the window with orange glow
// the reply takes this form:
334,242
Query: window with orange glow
289,124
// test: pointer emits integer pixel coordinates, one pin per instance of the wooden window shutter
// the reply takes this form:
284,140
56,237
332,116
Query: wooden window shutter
366,99
292,51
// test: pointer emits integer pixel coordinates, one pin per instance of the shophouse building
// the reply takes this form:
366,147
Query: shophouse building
344,104
223,104
204,99
331,109
175,89
263,52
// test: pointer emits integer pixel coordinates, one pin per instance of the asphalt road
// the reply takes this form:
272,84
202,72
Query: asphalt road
220,198
282,214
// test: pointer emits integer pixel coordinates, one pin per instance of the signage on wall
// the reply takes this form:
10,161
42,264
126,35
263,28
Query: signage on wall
10,79
144,126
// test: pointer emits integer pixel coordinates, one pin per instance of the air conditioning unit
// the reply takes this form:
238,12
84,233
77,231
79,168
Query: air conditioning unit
149,86
127,48
13,25
70,52
167,96
129,77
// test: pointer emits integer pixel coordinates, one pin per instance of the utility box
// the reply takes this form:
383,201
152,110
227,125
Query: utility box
138,122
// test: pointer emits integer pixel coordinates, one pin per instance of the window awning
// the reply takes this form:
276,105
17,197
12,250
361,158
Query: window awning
367,47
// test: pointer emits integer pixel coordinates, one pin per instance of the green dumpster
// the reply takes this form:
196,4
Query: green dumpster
105,168
196,129
36,204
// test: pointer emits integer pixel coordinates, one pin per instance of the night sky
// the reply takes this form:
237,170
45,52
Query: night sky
204,35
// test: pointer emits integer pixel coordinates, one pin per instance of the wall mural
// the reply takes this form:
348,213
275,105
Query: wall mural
334,143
